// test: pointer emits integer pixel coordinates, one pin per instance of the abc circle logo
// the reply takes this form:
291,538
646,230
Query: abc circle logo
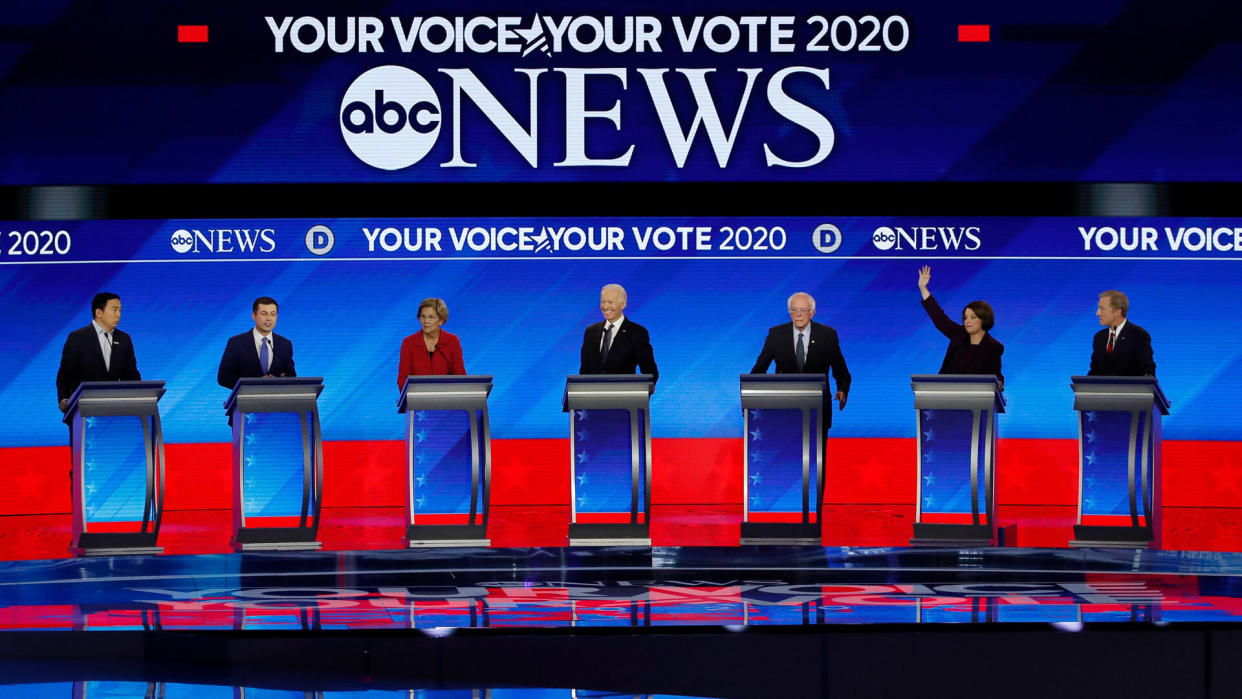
884,238
320,240
390,117
181,240
826,238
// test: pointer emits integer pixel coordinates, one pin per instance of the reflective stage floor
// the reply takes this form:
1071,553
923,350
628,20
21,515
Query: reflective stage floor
691,621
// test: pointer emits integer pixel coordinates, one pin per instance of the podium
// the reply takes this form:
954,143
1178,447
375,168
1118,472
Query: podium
783,486
448,460
956,489
118,467
1118,460
610,459
277,463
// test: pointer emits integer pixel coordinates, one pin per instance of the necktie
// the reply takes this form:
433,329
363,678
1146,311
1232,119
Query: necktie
603,350
264,357
800,353
107,353
1112,337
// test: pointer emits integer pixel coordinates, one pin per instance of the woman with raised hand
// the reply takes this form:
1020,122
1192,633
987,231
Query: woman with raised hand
971,349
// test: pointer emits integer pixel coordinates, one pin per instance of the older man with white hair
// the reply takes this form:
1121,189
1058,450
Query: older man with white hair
616,345
804,347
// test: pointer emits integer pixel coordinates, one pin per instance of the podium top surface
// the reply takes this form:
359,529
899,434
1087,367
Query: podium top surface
103,392
604,391
275,388
1091,389
458,391
957,391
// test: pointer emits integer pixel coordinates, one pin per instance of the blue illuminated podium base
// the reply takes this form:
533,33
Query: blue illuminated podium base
1096,536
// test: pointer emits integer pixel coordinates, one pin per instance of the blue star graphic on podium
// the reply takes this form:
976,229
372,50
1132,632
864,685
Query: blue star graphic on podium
603,463
274,464
778,486
945,461
1105,468
114,467
442,455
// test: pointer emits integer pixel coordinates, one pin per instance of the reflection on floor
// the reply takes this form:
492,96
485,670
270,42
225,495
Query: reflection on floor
444,589
178,690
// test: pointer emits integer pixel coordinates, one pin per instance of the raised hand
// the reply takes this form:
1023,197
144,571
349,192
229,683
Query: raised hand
924,278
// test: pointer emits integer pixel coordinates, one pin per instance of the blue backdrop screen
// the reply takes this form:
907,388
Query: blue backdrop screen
707,289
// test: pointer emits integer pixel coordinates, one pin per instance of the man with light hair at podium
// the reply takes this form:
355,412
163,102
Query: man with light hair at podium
616,344
804,347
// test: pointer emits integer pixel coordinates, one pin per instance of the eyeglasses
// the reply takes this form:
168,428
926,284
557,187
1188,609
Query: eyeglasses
799,310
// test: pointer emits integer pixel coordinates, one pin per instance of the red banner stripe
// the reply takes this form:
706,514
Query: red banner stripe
191,33
974,33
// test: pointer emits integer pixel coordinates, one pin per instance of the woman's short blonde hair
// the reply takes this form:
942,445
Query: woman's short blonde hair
437,305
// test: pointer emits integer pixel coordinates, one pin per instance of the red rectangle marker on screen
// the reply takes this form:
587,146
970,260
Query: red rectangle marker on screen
969,33
191,33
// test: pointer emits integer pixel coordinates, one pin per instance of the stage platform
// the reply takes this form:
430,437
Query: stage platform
690,621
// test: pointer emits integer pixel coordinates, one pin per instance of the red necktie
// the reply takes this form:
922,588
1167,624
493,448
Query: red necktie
1112,337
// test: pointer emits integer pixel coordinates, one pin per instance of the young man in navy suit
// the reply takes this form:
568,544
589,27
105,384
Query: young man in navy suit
1121,348
258,351
616,345
820,351
96,352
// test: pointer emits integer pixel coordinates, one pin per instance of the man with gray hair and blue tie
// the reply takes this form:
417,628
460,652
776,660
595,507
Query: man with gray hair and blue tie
803,347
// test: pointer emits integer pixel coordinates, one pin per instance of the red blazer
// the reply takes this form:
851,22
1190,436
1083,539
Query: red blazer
415,362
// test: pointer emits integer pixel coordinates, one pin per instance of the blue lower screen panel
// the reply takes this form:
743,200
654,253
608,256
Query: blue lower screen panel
274,465
603,461
774,445
114,465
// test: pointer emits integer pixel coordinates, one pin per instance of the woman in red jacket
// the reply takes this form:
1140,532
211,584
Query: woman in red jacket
432,351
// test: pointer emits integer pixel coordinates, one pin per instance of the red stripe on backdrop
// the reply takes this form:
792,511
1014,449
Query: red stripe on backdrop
869,489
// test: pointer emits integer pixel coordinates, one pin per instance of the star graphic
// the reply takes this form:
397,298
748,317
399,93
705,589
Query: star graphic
756,478
1090,458
90,422
582,415
929,479
1091,436
420,415
420,480
1089,481
90,488
420,502
583,479
582,501
756,435
929,415
756,414
582,434
1088,503
1090,416
250,417
250,438
582,457
756,456
927,501
420,457
249,461
91,510
929,435
929,457
90,465
420,436
754,500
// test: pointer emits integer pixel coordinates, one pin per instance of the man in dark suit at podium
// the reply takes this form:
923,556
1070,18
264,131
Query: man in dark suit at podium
258,351
97,352
804,347
616,345
1121,348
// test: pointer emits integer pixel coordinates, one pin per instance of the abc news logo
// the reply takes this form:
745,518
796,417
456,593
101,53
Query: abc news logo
377,124
927,238
217,240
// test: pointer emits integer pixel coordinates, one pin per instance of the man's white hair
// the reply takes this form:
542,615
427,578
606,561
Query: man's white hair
615,288
789,304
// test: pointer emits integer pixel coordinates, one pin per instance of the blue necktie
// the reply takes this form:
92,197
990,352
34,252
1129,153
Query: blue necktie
264,357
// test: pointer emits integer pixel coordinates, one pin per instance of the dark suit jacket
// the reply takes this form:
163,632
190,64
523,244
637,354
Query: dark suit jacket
1132,355
823,354
240,360
82,360
960,357
630,351
415,362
